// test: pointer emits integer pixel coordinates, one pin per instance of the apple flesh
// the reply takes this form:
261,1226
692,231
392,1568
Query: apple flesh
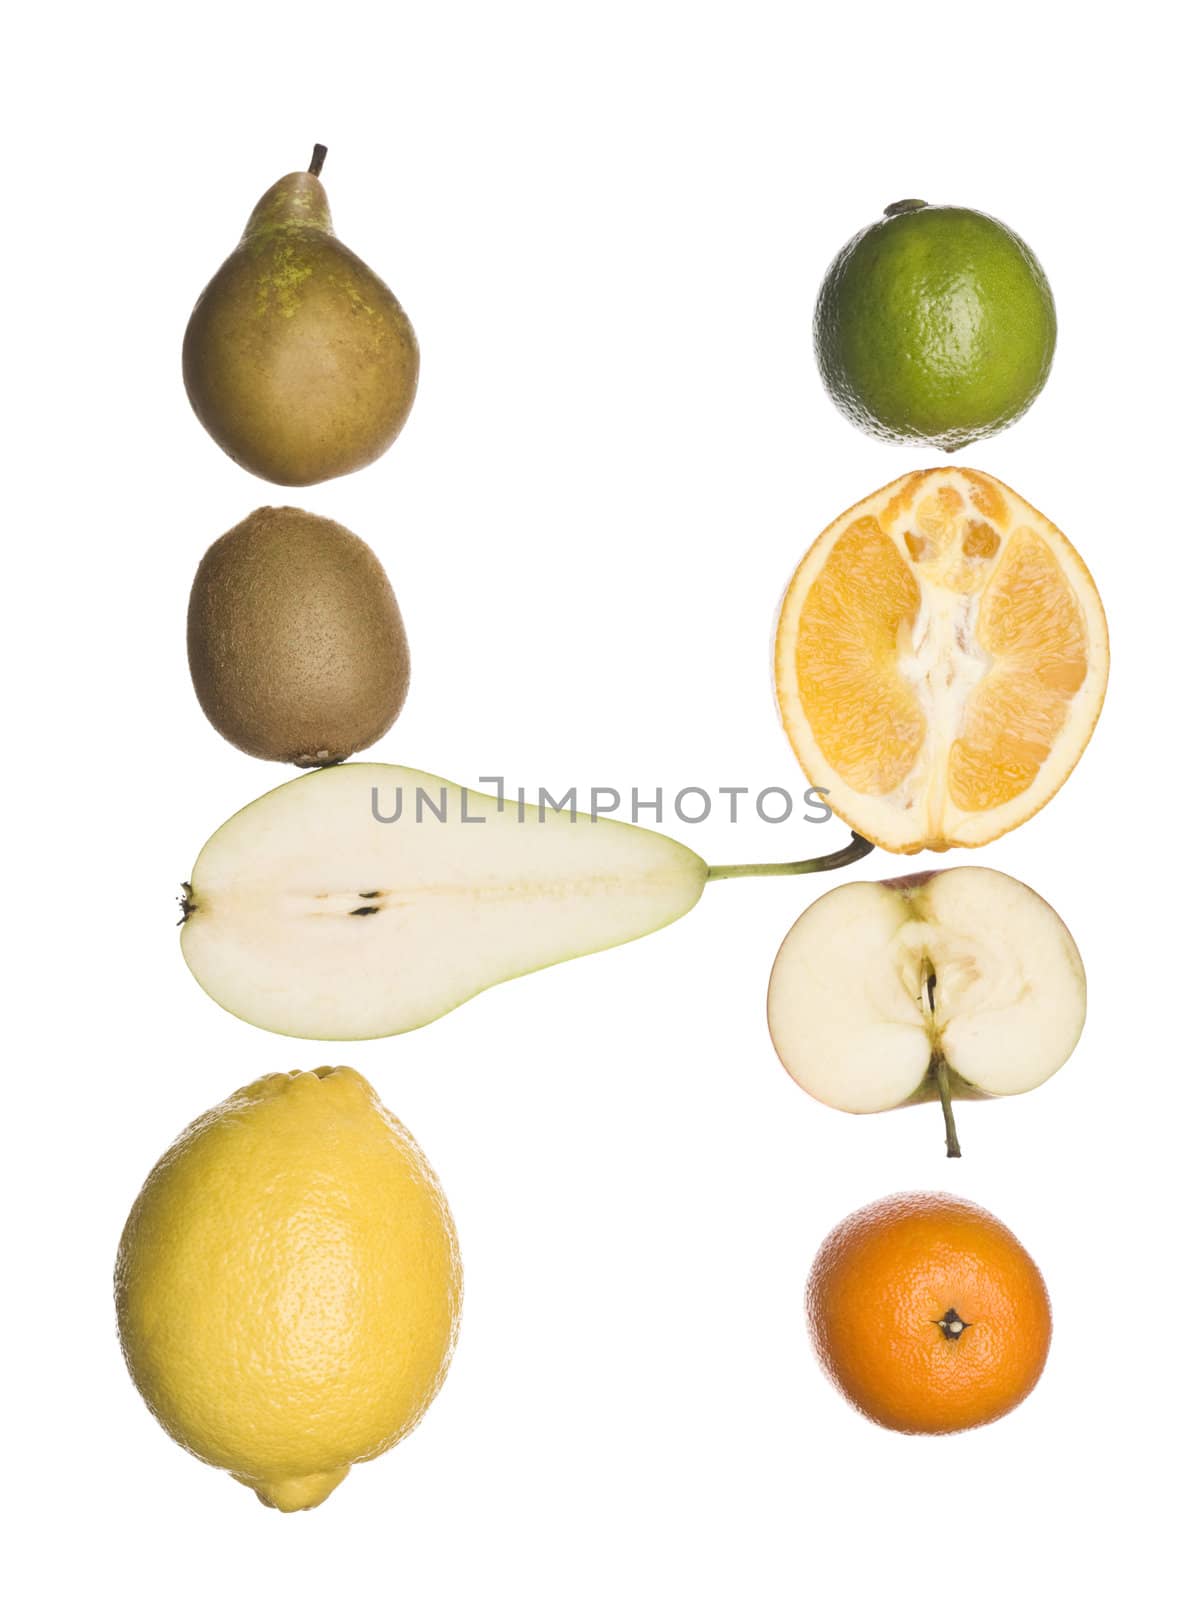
962,983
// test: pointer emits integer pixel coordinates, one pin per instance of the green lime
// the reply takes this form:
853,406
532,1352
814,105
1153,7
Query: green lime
935,325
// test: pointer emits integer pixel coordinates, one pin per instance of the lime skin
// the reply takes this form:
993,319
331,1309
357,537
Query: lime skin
935,326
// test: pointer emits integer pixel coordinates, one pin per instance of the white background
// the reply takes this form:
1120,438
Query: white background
608,225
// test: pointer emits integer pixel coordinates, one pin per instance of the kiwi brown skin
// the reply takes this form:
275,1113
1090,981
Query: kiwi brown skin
298,359
297,649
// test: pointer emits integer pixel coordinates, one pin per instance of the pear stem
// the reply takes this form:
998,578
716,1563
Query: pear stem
942,1079
317,160
855,851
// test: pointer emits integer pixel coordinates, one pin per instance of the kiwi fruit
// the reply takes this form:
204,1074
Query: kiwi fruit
295,641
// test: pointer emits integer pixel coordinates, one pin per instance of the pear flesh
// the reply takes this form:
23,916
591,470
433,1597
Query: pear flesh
308,916
877,984
298,359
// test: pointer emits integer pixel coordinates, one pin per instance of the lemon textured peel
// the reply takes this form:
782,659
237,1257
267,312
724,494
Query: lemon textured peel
288,1284
941,659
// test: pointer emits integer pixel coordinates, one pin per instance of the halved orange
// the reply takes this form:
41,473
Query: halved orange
941,659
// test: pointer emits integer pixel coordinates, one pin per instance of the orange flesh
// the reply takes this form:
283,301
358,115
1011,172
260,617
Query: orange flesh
864,715
940,645
1031,624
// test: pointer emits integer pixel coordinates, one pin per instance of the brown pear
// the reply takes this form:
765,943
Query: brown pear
298,359
297,649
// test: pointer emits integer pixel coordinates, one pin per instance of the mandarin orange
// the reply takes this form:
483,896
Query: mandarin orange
928,1314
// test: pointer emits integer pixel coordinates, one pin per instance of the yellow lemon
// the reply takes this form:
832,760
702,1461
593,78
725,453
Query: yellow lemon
288,1284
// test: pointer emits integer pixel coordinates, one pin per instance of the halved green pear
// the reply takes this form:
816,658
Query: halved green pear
958,984
309,916
365,900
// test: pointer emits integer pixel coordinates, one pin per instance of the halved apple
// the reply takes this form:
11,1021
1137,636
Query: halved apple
956,984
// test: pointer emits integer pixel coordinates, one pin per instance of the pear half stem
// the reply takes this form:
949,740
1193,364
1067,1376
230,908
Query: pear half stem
942,1080
317,160
855,851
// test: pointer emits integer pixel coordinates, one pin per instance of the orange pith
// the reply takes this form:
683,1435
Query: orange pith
941,659
928,1314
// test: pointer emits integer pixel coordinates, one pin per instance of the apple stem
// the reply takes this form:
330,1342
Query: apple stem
942,1079
855,851
317,160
